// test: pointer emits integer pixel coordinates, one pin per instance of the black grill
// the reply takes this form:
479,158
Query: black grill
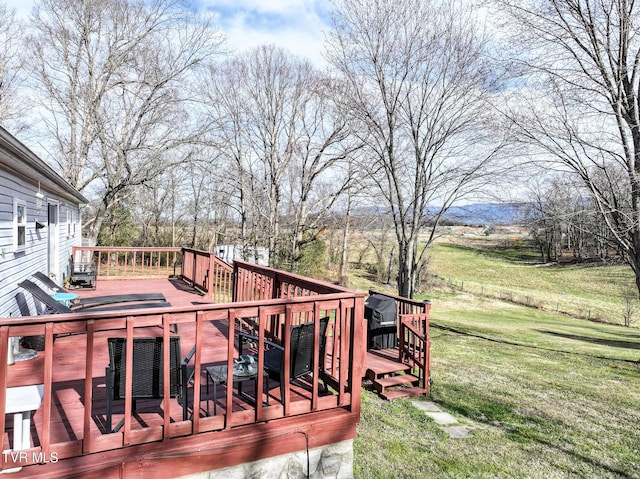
381,313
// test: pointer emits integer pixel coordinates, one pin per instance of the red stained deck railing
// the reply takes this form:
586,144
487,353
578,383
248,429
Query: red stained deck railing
208,273
127,263
270,302
202,270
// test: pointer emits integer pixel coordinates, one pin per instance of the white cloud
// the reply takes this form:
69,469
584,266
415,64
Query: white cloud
297,25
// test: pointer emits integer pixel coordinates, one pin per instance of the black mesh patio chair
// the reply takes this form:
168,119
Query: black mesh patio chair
148,373
301,359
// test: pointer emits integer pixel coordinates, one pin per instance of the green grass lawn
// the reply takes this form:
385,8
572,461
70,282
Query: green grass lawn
544,395
583,290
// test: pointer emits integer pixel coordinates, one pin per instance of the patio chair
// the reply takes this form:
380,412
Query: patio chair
47,281
50,304
83,273
148,373
301,359
146,300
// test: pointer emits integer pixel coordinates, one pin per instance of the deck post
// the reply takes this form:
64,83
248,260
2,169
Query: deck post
211,275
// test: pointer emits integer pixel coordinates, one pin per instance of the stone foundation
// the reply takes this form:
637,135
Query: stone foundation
332,461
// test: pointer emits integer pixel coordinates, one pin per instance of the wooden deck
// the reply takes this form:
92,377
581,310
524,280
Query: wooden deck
176,291
70,424
68,373
71,420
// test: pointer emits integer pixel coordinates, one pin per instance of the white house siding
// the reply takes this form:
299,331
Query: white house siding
19,179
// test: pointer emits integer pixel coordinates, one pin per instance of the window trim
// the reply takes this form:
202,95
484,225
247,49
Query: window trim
17,247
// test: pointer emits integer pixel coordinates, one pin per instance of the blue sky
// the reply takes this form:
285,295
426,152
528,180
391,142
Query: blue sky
297,25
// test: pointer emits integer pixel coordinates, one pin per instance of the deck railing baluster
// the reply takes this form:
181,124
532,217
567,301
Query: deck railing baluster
88,389
166,375
128,382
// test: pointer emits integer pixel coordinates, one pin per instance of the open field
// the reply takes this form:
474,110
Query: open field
545,395
582,290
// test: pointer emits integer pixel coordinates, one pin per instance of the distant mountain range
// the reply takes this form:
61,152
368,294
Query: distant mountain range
472,214
487,213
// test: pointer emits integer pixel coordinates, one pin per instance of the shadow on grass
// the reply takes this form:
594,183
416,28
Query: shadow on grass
529,346
524,429
514,253
616,343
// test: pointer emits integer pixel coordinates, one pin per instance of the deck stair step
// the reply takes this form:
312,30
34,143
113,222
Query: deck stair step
378,366
391,379
381,384
390,368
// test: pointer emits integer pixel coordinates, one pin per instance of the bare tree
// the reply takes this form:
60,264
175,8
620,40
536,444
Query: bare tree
351,196
227,110
155,210
419,83
117,80
281,134
206,203
579,106
324,141
278,86
11,71
552,212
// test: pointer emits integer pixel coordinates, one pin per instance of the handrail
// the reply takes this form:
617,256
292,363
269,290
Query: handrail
406,305
415,346
115,262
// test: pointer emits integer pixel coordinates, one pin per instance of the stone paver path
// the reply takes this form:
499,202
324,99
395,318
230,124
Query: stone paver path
449,423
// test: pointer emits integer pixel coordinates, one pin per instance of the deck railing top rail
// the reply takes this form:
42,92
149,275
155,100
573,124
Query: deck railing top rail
129,248
310,283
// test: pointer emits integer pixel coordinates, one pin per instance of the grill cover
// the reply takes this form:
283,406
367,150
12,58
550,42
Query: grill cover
381,313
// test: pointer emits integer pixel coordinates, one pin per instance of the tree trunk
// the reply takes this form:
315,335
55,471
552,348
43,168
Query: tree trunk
344,257
405,270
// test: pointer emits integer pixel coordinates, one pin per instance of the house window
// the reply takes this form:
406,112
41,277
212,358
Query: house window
19,225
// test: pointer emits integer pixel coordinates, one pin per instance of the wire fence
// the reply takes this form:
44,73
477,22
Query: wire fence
622,313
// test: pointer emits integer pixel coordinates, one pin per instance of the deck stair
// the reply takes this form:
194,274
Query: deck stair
391,379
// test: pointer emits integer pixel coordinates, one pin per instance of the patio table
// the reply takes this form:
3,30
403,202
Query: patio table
241,373
65,298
